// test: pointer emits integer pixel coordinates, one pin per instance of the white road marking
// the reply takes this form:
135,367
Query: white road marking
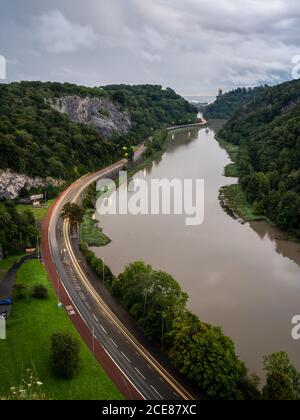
95,318
124,355
114,343
103,329
136,369
156,392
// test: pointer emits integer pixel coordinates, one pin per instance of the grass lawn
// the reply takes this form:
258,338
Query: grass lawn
90,233
7,263
28,344
39,213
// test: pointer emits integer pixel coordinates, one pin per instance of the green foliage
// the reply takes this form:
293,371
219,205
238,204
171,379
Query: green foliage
152,297
151,107
65,355
207,357
90,196
91,233
37,140
73,213
21,291
224,107
201,352
17,229
27,345
29,390
40,291
267,131
102,270
156,144
283,380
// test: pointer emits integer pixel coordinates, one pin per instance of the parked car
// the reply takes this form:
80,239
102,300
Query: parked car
5,302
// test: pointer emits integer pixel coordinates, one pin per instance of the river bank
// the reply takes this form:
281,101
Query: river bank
233,199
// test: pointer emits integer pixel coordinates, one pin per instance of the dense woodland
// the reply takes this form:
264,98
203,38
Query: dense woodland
39,141
225,106
267,131
17,230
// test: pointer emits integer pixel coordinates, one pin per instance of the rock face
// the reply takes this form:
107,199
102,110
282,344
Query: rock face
11,184
100,112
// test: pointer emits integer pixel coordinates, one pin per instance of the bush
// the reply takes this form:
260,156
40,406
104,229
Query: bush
65,355
40,292
21,291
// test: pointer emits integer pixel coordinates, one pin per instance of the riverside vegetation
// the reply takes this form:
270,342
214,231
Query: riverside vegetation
198,350
264,134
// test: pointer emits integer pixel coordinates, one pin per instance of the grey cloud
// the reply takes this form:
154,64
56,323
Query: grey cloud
58,34
194,46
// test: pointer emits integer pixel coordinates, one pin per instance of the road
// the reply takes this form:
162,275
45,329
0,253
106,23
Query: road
131,366
9,280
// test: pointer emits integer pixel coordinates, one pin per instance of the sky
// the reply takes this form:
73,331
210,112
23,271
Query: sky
193,46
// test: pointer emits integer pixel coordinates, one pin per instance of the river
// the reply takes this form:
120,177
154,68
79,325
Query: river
241,277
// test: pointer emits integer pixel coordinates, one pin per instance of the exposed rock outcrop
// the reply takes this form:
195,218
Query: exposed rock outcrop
100,112
11,184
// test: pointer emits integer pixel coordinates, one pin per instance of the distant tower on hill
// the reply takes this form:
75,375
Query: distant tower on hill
220,94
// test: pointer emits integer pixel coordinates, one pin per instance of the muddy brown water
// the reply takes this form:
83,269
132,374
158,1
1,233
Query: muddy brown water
241,277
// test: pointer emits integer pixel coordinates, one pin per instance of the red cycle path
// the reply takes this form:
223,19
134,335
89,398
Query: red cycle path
109,366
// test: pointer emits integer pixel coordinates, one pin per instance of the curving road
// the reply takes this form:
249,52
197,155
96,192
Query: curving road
130,365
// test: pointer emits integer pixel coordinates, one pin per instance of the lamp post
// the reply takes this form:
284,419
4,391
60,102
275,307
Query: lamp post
103,267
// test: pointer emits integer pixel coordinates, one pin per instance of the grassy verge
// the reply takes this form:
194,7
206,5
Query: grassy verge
28,346
234,202
232,197
90,232
39,213
8,263
231,170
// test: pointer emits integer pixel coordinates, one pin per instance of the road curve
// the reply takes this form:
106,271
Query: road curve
130,365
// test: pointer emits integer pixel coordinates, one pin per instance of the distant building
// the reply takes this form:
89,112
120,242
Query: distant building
36,200
220,94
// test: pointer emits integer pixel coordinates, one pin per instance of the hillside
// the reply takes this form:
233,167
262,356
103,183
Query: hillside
63,131
226,105
267,131
52,133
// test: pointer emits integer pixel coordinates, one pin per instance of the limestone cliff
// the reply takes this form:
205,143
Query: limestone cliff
100,112
11,184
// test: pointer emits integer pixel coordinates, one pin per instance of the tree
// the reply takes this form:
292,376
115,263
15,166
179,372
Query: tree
283,380
65,351
289,211
130,154
73,213
152,297
207,357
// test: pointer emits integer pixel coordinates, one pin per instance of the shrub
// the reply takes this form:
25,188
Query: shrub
21,291
40,292
65,355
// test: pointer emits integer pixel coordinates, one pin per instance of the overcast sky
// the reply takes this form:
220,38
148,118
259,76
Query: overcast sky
194,46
